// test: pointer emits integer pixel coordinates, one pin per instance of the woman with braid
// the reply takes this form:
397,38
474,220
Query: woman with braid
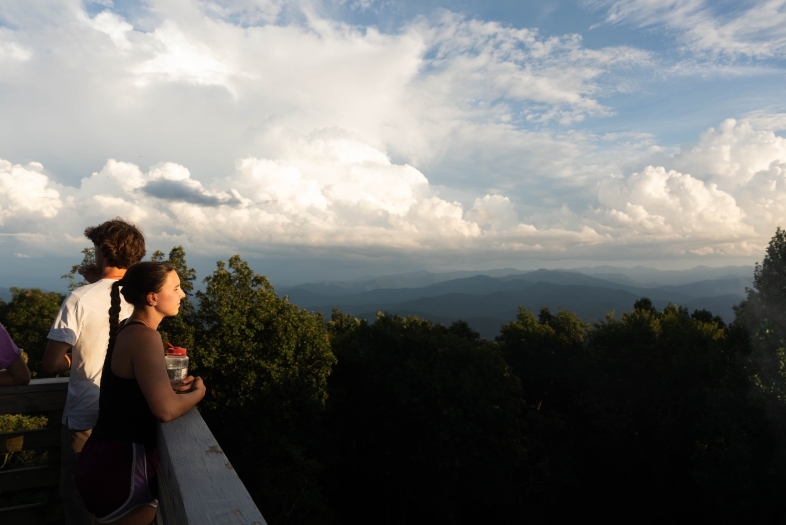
115,473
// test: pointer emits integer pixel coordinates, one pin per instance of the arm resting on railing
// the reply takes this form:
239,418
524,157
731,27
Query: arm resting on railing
17,373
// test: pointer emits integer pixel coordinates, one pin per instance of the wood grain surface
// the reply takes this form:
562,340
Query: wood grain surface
199,486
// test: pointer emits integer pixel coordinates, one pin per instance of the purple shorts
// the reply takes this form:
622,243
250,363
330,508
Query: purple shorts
115,477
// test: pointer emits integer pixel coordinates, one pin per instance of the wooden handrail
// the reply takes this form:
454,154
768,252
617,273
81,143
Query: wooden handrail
198,484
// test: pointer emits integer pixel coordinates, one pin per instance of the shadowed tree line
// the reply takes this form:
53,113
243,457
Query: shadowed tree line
655,415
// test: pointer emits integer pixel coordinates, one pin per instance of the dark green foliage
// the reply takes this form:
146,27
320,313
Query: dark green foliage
28,318
265,363
763,313
88,259
764,317
423,425
653,409
658,416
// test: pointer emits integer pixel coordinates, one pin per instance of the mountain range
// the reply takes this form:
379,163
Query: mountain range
489,299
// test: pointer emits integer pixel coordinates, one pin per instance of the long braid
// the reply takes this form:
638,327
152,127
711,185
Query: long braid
114,315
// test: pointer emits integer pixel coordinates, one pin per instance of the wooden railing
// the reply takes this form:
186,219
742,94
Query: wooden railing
198,485
40,397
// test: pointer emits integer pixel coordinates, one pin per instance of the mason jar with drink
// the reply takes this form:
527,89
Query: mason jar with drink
176,364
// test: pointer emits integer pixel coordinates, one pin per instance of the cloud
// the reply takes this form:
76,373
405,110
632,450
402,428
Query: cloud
332,190
486,64
659,203
728,190
257,125
734,152
757,30
25,192
327,189
494,212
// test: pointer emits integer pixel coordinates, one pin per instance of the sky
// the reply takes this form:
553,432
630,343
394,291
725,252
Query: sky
338,138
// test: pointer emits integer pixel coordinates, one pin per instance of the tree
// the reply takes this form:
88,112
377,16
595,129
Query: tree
670,422
265,363
28,318
423,425
762,316
763,313
88,259
547,354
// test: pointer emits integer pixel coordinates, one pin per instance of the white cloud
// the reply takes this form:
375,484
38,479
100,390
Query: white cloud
494,212
726,193
256,132
657,202
756,30
26,192
735,151
10,50
114,27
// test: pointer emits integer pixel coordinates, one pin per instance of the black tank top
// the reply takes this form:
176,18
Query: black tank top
123,412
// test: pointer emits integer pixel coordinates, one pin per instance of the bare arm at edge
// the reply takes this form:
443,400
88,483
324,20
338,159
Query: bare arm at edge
16,374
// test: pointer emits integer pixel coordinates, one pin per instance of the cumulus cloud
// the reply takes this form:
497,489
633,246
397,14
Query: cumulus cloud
494,212
735,151
219,70
726,193
26,192
657,202
332,189
229,125
326,189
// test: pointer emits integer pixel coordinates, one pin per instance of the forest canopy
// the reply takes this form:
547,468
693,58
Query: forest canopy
644,416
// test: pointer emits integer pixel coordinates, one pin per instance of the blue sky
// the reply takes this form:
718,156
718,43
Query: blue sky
379,135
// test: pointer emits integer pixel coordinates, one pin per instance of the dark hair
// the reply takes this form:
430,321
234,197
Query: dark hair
140,279
121,244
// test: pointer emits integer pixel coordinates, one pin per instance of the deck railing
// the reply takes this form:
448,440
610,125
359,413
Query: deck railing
40,397
198,485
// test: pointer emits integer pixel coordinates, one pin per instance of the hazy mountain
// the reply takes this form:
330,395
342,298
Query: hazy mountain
638,276
712,287
393,282
482,285
487,302
5,294
649,277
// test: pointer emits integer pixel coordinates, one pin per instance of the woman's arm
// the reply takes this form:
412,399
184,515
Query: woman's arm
150,372
17,373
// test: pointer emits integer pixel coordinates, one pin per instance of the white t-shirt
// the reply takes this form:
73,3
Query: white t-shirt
83,323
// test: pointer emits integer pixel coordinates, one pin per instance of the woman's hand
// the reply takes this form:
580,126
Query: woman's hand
199,387
191,384
185,386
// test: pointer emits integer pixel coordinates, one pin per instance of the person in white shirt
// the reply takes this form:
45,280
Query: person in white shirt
82,326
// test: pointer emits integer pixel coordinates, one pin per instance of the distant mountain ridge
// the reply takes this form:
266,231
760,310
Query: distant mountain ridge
486,302
638,276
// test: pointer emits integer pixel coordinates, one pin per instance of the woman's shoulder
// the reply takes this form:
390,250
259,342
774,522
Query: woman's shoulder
139,334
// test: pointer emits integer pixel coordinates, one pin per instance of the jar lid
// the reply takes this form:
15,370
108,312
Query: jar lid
175,350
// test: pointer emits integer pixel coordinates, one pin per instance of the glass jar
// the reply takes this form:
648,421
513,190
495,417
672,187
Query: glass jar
176,364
